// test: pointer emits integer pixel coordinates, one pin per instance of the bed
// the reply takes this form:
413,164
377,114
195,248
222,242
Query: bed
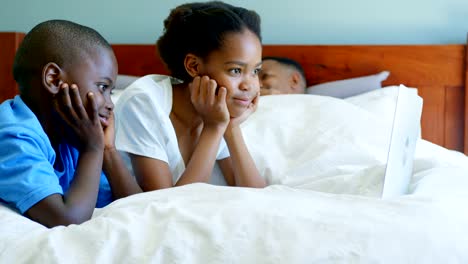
323,158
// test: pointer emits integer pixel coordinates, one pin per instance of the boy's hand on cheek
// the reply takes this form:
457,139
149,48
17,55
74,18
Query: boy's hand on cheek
84,121
109,133
209,103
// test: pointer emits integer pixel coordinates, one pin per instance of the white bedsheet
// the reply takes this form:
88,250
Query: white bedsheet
207,224
322,206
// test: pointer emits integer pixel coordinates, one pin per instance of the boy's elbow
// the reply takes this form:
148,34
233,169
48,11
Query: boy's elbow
53,211
72,220
64,220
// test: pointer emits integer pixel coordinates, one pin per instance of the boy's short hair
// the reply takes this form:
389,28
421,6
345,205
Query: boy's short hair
288,63
58,41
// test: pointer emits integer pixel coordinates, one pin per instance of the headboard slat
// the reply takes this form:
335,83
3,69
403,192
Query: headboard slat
465,117
9,42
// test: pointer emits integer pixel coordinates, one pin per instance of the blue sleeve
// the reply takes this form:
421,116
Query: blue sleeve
27,174
105,195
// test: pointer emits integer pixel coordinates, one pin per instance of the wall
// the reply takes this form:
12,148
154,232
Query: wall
284,22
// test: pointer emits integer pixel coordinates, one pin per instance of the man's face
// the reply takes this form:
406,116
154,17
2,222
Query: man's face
275,78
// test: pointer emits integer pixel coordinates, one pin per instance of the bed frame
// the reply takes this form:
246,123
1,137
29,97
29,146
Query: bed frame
438,71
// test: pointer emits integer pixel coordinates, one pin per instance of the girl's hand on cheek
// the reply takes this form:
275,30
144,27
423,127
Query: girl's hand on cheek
209,103
83,120
236,121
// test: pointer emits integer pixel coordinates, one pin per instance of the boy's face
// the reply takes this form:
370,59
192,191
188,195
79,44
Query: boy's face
236,66
97,74
275,78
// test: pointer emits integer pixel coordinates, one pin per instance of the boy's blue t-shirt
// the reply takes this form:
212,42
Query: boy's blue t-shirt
29,171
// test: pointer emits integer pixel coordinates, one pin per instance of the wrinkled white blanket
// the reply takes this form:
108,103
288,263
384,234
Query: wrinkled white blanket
324,159
333,145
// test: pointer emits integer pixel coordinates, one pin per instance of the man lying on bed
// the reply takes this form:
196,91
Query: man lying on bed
280,75
57,156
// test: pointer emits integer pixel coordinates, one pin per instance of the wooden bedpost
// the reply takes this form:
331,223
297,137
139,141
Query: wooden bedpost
9,42
466,98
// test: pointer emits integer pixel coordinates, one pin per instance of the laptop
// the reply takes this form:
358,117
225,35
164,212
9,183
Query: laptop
404,136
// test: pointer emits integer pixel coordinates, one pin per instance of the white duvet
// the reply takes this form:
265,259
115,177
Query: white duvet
324,159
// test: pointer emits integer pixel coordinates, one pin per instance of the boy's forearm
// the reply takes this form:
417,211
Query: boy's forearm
122,183
78,202
80,199
245,171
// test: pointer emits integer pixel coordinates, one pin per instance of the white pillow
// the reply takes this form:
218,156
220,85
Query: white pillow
380,102
349,87
124,80
121,83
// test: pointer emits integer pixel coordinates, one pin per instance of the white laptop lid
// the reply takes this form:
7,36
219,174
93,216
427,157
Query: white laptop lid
404,136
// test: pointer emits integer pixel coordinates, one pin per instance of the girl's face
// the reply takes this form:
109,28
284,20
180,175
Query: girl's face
236,67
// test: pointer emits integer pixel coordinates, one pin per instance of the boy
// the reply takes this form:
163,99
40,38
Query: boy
57,156
281,76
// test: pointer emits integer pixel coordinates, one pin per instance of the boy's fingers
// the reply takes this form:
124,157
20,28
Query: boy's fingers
77,103
93,107
64,95
65,106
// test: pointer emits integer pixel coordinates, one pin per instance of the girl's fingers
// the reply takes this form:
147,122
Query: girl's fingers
254,103
194,87
204,89
255,100
211,92
221,98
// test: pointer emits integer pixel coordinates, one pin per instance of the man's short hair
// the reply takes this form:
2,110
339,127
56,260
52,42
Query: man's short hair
289,63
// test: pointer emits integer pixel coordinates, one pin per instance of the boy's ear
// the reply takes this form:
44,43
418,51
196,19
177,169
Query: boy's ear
51,77
192,64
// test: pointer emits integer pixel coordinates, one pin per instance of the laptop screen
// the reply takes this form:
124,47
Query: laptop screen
404,136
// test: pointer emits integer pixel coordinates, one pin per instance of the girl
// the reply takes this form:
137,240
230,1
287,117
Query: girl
172,133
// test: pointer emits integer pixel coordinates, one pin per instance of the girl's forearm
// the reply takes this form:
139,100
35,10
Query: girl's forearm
245,171
201,163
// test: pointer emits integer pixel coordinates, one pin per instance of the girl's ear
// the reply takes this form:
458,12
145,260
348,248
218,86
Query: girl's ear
51,77
192,64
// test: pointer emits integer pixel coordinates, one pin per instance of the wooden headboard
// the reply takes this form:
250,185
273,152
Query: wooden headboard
438,71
